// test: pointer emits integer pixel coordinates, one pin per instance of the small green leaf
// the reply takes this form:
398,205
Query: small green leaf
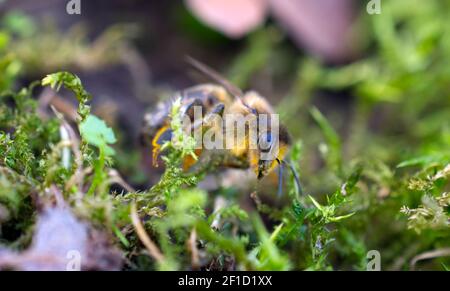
418,161
318,206
95,132
339,218
120,235
328,131
276,232
332,149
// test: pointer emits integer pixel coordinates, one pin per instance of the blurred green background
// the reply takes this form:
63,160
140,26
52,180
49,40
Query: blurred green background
365,97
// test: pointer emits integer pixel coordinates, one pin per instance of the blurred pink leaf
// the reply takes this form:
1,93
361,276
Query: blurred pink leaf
323,27
234,18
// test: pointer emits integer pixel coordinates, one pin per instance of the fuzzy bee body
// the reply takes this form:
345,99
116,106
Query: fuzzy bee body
215,99
156,129
223,100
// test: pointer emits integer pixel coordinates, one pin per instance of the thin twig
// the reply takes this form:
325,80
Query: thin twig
65,154
143,236
219,204
116,178
59,198
192,246
77,177
49,98
408,253
429,255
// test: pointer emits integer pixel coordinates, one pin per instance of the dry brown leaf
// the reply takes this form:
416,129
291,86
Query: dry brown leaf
58,239
323,27
234,18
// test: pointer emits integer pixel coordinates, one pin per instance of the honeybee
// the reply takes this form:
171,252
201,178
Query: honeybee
262,153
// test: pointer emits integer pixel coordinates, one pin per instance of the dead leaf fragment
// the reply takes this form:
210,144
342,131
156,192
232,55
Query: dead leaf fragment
59,238
234,18
323,27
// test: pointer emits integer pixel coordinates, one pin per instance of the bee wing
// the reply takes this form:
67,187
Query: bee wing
232,89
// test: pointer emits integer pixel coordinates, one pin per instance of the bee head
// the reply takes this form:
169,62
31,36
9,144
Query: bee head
271,150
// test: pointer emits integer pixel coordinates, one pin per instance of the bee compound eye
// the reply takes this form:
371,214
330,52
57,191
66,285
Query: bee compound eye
269,138
265,142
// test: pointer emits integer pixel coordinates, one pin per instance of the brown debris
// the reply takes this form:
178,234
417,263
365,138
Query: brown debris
62,242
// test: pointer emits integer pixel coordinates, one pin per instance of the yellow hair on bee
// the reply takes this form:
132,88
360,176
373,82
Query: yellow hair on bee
254,157
156,145
189,161
255,101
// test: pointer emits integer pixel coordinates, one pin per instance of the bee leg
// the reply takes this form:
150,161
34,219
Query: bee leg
236,162
189,109
217,110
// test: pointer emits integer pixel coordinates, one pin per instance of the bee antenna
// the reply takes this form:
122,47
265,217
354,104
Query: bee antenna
232,89
280,177
295,174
